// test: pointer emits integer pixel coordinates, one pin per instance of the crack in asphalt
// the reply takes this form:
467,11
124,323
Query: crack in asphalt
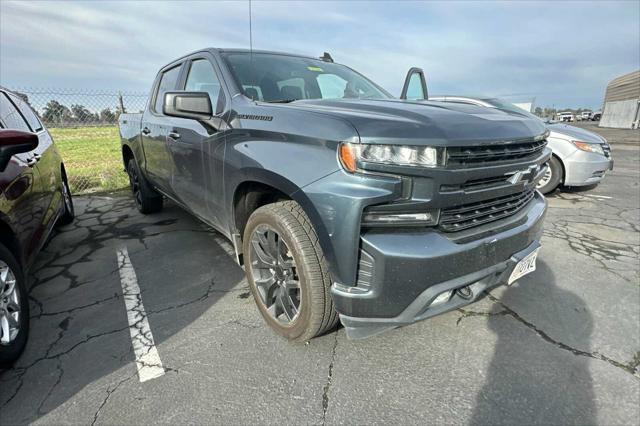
21,371
76,308
604,251
631,367
110,392
109,227
466,314
57,382
99,225
327,386
210,290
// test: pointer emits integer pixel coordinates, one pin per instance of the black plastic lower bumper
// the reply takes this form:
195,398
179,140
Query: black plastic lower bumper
409,269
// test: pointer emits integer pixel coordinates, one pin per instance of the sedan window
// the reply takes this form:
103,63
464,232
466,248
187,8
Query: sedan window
10,116
27,113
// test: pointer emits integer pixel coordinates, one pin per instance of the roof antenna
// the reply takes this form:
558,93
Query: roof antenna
251,49
326,57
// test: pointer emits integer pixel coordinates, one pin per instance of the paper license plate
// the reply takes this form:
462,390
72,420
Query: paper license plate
524,267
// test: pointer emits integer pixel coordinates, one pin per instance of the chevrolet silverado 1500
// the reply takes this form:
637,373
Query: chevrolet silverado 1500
340,200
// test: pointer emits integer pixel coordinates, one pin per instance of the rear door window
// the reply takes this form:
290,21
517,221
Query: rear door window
10,115
168,83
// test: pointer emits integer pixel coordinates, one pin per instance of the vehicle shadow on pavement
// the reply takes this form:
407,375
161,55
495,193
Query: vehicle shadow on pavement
79,335
532,378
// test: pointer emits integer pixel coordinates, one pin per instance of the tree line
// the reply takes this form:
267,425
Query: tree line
57,114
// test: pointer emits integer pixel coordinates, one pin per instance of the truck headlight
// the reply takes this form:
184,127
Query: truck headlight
596,148
352,155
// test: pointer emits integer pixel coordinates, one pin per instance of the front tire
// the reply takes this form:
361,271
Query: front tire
69,212
146,198
14,309
287,272
552,178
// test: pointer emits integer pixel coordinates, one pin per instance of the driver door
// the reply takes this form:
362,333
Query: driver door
197,149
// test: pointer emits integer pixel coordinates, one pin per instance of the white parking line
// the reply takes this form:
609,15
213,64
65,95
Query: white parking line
604,197
147,357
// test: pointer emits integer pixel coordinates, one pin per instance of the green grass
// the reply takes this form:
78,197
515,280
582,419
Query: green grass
92,157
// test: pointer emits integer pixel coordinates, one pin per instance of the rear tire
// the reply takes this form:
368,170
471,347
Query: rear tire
299,251
552,178
147,199
12,344
67,200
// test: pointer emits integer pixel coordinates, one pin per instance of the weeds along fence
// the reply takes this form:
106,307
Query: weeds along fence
84,126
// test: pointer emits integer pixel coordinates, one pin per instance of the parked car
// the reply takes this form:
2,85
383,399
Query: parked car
596,116
340,199
565,116
585,116
580,157
34,196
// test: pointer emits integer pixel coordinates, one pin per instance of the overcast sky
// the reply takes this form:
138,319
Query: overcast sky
561,53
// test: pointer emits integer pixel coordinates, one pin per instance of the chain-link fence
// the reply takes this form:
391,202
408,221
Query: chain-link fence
84,126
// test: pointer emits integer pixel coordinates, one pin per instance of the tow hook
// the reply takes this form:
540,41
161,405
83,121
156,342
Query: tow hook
465,292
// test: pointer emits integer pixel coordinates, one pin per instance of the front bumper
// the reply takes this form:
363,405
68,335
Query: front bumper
585,168
403,272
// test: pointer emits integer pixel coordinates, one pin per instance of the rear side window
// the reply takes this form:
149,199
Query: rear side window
10,115
27,113
168,83
202,78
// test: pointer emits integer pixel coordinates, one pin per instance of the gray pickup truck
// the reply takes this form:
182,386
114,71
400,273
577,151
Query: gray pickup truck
341,201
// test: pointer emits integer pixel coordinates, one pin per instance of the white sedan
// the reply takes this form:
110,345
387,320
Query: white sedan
580,157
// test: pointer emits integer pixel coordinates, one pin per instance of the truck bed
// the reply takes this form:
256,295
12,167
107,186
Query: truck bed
129,125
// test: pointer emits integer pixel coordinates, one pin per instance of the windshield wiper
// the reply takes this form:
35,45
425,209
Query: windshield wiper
282,101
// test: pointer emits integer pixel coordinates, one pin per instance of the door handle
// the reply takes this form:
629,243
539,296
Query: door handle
174,135
33,160
146,131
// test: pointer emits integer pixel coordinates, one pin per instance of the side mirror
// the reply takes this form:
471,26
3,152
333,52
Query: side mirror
14,142
194,105
415,86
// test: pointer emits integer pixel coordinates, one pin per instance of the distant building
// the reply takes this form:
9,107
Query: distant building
622,102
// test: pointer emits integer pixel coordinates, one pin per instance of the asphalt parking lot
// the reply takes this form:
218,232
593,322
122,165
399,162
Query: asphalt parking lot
560,346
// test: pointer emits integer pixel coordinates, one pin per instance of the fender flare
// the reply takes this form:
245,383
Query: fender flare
284,185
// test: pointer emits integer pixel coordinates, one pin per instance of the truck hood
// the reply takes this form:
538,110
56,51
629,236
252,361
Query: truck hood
427,123
564,131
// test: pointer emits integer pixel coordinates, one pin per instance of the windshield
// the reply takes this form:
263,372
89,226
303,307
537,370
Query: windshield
280,78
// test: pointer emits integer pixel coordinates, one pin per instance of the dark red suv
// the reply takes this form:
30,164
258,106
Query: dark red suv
34,196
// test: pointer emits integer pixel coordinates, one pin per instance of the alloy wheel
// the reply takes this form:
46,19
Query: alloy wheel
545,179
66,196
9,305
275,274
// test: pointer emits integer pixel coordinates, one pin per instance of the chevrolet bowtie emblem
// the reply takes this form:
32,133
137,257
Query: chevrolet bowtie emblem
526,176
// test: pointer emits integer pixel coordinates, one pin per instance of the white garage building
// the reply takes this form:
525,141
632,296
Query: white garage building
622,102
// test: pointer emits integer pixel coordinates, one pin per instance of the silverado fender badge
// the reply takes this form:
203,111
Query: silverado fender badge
255,117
